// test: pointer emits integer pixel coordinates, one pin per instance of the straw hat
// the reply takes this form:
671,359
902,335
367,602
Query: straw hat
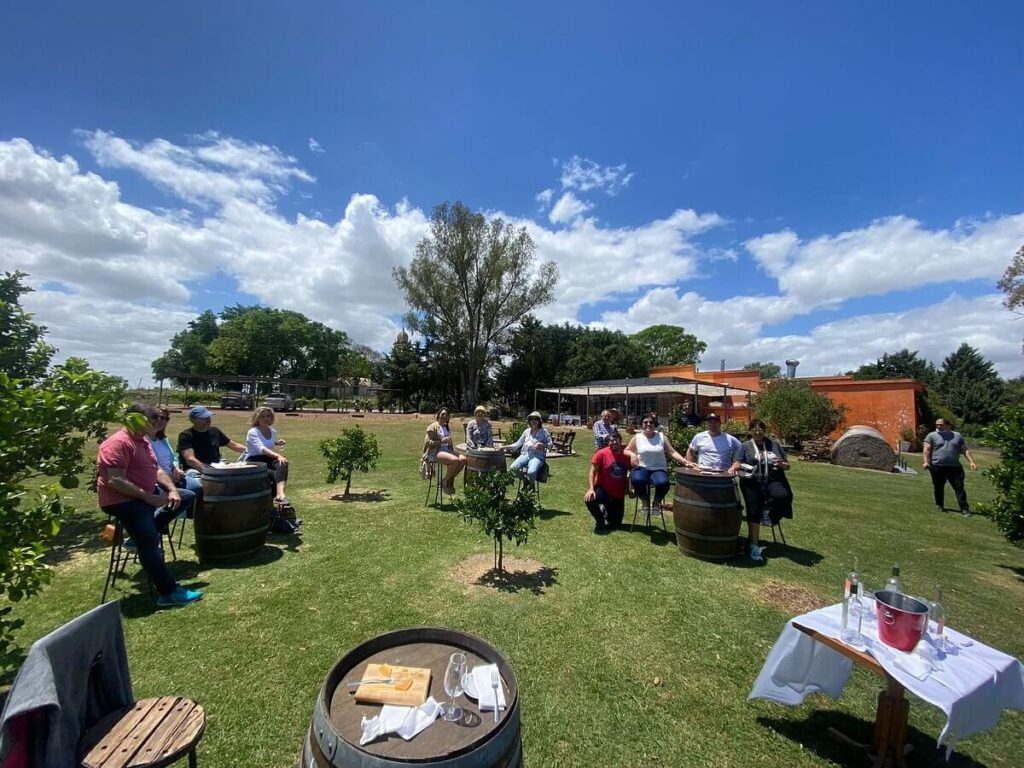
479,411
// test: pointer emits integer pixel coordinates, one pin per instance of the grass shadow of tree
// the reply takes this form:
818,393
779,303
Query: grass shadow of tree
79,533
513,581
813,733
1016,569
379,494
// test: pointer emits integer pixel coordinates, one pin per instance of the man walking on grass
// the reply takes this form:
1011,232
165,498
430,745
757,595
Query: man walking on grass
942,449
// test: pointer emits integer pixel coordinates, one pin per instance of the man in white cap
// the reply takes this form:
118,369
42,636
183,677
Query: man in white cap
714,449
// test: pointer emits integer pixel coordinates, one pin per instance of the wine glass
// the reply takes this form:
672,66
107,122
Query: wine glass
453,685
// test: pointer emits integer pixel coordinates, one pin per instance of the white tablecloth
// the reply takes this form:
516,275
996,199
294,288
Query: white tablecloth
972,683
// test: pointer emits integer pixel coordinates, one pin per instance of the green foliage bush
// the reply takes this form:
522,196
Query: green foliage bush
737,428
795,412
678,435
354,450
1007,433
50,413
427,406
486,503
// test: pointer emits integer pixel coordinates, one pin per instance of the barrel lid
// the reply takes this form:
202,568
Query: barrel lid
223,468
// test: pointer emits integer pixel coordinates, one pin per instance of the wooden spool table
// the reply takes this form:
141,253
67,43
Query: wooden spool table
479,461
153,733
475,741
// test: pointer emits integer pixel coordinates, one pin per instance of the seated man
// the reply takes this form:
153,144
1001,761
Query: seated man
609,473
714,449
127,476
199,446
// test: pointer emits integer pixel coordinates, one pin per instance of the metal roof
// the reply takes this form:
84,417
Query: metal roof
650,386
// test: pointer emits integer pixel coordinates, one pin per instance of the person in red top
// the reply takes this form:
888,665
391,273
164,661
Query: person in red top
128,484
609,479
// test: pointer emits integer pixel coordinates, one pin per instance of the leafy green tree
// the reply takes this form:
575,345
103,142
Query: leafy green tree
188,349
401,369
597,353
486,503
353,451
970,385
1007,433
795,412
669,345
471,281
534,358
768,370
1013,392
1012,283
50,413
899,365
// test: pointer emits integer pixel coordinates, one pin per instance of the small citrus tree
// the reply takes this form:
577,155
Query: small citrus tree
486,503
355,450
1008,475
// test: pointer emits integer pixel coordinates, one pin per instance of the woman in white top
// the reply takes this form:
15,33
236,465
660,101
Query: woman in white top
260,442
649,452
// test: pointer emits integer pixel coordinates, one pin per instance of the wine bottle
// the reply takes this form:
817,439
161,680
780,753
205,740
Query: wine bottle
894,584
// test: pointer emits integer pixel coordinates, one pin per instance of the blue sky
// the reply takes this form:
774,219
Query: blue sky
831,181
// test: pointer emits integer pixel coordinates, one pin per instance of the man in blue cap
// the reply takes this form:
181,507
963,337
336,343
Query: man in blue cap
199,446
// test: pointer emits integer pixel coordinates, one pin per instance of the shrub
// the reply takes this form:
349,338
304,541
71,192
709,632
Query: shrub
796,412
353,450
486,503
1007,511
515,430
737,428
427,406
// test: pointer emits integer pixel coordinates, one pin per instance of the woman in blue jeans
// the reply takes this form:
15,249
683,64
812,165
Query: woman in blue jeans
649,452
533,446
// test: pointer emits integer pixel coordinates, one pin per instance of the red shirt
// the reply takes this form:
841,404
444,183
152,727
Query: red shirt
123,450
612,472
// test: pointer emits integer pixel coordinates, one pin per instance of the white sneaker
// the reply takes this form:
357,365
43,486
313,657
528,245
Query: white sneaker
755,553
647,512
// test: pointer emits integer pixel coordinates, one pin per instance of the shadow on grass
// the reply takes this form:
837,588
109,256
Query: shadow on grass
813,734
380,494
547,513
534,582
137,596
79,533
658,535
1017,570
289,541
805,557
264,556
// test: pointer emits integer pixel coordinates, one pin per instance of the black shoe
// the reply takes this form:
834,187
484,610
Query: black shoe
939,509
599,527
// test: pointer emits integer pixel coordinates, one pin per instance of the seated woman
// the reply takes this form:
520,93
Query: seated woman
438,447
649,452
763,480
478,431
532,447
260,442
167,459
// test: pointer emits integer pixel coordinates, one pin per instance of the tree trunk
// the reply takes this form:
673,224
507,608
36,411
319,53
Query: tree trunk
348,484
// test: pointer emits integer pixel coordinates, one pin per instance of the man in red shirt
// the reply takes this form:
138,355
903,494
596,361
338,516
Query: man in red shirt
127,485
609,478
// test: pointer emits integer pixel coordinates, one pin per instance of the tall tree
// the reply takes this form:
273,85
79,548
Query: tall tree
188,348
970,385
669,345
471,281
401,369
899,365
1012,283
768,370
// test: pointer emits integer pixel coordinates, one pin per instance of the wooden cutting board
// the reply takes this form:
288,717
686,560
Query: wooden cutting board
376,693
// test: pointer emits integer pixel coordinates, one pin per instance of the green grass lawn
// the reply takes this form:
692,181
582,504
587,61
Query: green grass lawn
620,611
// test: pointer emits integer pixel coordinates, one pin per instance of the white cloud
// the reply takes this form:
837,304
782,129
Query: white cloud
544,197
215,170
890,254
585,175
316,146
568,208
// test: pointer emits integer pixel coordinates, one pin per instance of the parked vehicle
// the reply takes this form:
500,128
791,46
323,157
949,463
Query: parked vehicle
279,401
233,400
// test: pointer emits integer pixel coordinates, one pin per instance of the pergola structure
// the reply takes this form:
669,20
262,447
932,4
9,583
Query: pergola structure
636,390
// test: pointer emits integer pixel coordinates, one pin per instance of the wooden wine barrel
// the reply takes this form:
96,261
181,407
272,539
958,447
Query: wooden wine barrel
480,460
475,742
233,519
706,512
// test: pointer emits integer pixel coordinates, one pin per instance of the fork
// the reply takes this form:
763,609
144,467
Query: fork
372,681
494,686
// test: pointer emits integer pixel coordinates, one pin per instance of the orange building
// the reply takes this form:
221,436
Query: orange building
888,405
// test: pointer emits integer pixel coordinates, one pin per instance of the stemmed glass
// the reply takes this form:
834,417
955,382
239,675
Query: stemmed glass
453,685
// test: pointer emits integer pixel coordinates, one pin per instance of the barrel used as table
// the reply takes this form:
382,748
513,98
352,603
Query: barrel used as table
233,520
706,512
476,741
480,460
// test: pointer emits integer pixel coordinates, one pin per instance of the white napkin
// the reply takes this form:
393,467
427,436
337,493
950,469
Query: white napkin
913,664
484,691
405,721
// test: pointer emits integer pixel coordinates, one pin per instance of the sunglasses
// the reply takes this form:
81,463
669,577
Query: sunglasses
647,423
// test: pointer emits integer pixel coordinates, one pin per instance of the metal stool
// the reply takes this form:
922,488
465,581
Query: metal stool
435,483
649,515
